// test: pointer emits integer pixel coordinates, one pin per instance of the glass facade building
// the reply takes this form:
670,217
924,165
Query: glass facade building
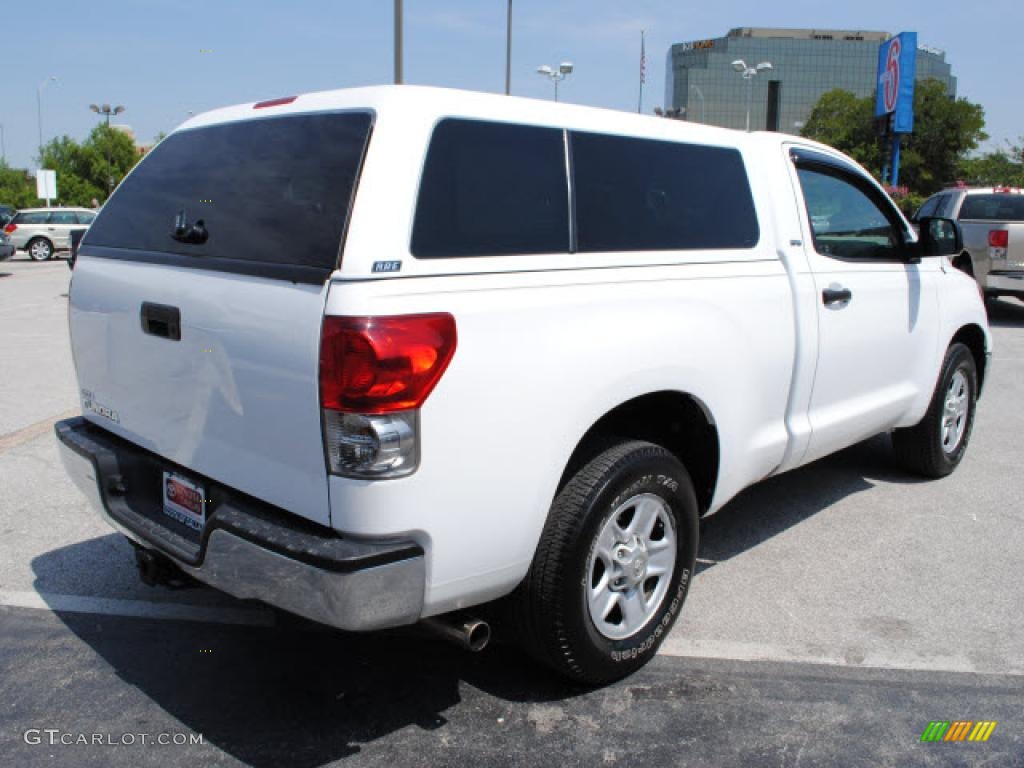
806,63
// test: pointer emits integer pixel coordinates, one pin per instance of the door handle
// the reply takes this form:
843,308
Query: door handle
836,295
161,320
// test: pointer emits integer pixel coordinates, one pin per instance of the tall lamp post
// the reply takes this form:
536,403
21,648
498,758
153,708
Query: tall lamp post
107,111
39,112
508,50
3,146
556,75
749,73
398,42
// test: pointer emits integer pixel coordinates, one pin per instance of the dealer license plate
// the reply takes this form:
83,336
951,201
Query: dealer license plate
184,501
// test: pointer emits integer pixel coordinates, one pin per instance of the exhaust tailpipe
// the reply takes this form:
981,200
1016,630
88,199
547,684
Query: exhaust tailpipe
468,633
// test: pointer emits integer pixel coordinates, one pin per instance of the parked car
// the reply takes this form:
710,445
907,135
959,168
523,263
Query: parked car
44,231
505,350
6,247
992,221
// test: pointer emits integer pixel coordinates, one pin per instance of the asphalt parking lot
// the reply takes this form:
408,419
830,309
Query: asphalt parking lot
838,610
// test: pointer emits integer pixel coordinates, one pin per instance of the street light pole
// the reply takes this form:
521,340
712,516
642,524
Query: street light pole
106,111
39,112
748,74
508,50
3,146
398,42
556,75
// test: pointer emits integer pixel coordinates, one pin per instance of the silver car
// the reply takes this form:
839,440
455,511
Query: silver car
992,221
44,231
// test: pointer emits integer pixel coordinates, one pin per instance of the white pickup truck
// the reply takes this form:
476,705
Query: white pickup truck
384,354
991,221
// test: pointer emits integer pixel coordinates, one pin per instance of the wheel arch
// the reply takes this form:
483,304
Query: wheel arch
973,337
44,238
677,421
964,262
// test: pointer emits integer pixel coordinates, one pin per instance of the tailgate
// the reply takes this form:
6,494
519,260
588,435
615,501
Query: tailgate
197,300
1015,246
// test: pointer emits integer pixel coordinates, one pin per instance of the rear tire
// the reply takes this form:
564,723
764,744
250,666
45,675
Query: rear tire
613,565
39,249
935,445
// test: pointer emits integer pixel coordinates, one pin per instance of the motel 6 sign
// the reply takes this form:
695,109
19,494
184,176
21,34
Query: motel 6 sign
897,70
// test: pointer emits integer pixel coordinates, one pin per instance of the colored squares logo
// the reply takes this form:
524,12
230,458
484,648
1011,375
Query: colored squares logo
958,730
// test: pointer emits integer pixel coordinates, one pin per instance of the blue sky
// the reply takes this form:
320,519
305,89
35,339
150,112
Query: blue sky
148,54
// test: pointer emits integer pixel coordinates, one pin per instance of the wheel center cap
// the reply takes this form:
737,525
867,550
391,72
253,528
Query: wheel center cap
639,566
632,562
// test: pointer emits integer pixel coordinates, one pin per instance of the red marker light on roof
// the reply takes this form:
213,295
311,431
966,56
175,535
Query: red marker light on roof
274,102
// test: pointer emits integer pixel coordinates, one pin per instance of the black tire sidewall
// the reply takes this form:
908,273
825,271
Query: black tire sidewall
958,359
28,248
599,657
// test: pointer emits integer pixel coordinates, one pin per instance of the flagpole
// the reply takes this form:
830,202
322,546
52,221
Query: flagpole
643,72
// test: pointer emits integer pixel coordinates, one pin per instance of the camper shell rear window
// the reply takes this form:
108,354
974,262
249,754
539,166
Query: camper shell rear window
268,196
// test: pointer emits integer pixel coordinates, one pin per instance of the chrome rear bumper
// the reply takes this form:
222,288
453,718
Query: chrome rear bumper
1009,283
249,550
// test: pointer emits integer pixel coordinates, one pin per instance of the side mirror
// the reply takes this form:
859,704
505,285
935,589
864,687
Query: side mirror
938,237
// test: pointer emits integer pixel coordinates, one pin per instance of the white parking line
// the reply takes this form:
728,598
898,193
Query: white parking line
680,646
260,617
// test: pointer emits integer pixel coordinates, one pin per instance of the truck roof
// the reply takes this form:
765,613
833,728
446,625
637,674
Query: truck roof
433,103
986,190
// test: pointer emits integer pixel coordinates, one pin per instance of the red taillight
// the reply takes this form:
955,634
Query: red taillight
382,364
10,228
998,238
274,102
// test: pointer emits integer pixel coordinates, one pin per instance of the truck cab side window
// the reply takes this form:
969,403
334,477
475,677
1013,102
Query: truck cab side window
492,189
845,222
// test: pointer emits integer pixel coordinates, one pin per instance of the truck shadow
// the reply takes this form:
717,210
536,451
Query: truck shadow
778,503
290,694
302,695
1006,313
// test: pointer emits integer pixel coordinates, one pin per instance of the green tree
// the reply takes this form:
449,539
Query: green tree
844,121
84,171
17,188
945,131
1003,166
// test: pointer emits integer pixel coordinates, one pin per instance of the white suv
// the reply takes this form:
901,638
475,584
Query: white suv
386,354
44,231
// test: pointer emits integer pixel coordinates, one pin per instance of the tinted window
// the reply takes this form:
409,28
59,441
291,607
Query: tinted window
32,217
640,195
942,209
85,218
490,189
63,217
1001,207
273,190
928,209
845,220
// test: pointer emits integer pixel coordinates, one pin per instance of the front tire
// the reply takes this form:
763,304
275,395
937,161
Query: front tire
936,445
40,249
613,565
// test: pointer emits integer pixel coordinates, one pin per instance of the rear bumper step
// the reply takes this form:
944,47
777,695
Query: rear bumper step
248,549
